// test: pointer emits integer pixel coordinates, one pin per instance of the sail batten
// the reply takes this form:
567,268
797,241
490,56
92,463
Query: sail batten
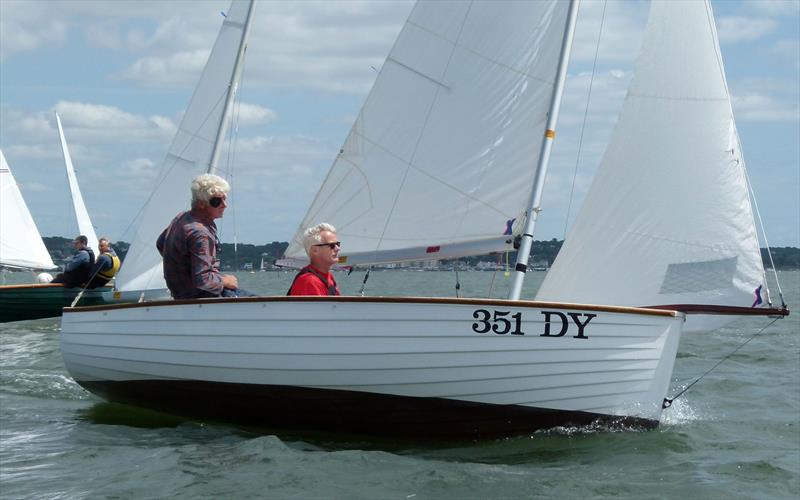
444,146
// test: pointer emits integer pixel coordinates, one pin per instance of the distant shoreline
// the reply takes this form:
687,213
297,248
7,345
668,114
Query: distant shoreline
248,256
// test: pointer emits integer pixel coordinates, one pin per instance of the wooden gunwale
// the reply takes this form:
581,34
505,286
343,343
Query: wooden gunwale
378,299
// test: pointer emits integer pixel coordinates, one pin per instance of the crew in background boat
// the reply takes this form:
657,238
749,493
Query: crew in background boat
322,248
189,245
77,269
105,266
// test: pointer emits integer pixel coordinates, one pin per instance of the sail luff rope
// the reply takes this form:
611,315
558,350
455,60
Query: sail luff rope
668,401
585,116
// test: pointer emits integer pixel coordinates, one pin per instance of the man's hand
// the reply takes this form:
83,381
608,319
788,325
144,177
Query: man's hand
230,281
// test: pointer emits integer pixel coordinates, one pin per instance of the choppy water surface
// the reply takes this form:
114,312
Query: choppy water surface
735,434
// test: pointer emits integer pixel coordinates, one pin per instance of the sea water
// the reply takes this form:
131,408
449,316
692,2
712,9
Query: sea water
734,434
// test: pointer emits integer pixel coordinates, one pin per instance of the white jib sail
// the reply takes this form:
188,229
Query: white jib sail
668,218
85,226
21,244
440,160
188,156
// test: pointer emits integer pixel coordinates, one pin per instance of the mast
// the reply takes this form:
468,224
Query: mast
534,204
233,87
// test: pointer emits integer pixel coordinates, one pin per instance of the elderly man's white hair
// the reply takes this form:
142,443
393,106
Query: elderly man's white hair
207,186
311,236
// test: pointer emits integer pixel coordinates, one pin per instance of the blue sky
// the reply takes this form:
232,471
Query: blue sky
121,73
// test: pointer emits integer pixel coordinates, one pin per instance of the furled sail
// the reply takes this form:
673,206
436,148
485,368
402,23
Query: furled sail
189,155
85,226
21,244
668,218
440,160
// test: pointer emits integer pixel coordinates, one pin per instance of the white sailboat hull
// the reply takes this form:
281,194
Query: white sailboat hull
397,366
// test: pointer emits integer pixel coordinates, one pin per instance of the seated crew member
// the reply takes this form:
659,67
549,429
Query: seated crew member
322,248
189,245
77,268
105,266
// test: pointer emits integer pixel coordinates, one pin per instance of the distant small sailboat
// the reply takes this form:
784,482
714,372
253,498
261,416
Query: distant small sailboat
21,245
21,240
439,163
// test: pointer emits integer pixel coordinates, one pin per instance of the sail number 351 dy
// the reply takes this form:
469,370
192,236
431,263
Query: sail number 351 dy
555,324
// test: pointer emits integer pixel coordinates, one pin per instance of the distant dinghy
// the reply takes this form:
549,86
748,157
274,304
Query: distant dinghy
21,247
439,163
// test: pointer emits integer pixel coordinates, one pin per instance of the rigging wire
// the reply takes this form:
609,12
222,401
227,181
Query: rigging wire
585,116
233,140
763,233
668,401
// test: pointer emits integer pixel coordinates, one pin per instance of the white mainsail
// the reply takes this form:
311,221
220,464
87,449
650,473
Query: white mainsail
441,158
190,154
85,226
668,218
21,244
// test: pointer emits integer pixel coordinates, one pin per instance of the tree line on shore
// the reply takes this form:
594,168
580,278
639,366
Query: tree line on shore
236,258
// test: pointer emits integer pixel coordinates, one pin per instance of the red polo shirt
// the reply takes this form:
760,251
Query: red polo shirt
310,283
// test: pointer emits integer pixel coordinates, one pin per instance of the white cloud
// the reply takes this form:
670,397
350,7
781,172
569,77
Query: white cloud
738,29
140,166
759,107
29,151
26,26
179,69
774,7
95,121
253,114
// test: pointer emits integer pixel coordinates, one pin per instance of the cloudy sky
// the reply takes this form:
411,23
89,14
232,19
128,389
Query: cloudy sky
120,74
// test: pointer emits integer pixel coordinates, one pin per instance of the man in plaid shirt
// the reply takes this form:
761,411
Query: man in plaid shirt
189,245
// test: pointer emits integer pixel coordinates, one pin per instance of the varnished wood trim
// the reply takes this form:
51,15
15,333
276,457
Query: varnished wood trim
401,300
31,285
724,310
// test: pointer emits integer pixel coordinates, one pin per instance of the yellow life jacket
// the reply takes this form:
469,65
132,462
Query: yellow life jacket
107,274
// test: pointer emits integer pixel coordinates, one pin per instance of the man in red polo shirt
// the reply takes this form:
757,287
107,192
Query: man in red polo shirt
322,248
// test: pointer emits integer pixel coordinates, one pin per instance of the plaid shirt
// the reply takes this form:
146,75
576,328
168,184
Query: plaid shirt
189,248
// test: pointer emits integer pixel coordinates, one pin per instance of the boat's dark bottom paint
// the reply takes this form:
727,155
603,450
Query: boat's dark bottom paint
298,408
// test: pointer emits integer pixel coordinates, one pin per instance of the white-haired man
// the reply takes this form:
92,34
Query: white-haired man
322,248
189,245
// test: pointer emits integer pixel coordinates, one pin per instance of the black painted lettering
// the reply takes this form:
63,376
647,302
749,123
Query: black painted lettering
518,324
476,327
547,321
499,318
575,317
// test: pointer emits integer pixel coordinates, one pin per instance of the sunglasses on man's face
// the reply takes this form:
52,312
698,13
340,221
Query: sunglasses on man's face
330,245
215,202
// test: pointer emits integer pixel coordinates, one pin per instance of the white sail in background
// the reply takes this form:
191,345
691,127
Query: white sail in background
189,155
21,244
85,226
668,218
441,158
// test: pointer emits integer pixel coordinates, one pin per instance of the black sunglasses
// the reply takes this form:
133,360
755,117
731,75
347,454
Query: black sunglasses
215,202
330,245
